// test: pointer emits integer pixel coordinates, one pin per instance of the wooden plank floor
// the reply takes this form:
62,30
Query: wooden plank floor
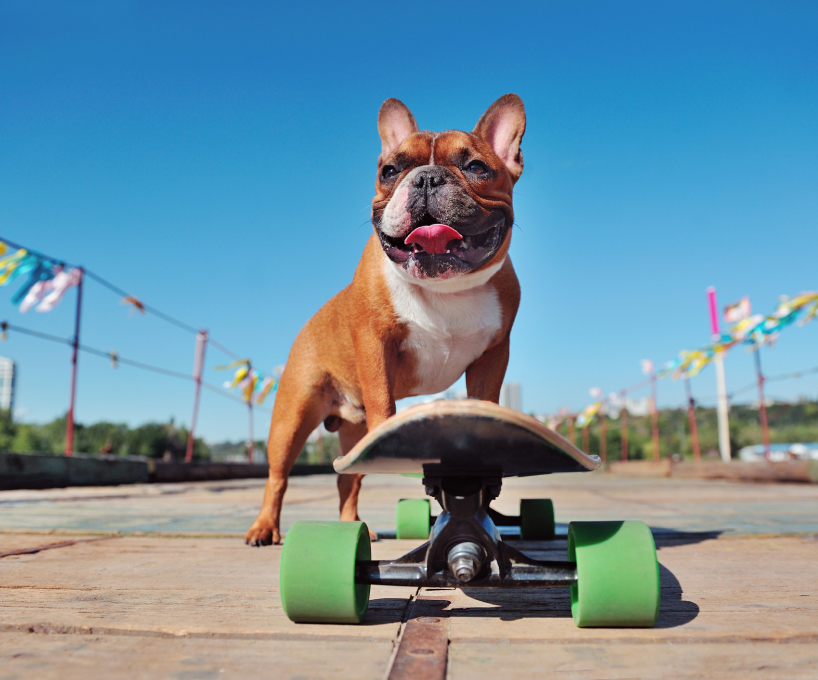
177,594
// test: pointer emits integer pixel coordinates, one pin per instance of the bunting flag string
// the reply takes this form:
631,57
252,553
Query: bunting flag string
249,381
46,283
588,414
137,304
754,330
751,330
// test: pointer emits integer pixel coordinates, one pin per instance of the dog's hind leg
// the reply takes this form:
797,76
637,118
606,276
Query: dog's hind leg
349,486
302,402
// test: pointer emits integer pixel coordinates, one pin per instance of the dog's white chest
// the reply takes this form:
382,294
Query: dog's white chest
447,330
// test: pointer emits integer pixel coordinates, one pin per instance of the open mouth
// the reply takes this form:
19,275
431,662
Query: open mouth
437,250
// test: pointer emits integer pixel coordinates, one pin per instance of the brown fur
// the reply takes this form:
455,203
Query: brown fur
352,345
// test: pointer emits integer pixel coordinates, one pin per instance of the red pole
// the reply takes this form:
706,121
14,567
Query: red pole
603,435
691,418
762,406
251,454
624,416
198,365
69,421
655,417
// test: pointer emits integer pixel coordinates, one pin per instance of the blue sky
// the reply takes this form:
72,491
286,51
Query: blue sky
218,160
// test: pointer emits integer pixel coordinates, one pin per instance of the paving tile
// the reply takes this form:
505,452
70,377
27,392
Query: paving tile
10,542
136,657
632,661
172,586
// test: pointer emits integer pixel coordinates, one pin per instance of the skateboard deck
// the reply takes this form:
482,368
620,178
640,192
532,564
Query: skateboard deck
464,436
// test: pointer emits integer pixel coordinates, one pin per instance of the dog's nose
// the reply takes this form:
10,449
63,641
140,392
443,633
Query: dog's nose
433,177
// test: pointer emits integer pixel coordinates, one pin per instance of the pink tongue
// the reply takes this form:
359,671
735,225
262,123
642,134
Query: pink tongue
433,239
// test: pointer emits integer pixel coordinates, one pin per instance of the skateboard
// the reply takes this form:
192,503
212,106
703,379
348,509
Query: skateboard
462,450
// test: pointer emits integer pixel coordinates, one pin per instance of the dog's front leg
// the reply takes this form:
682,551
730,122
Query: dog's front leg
377,360
349,486
300,406
376,363
484,378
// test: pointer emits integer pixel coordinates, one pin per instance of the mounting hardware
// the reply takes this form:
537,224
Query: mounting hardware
465,560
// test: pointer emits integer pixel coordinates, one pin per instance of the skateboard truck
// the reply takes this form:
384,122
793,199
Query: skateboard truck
464,547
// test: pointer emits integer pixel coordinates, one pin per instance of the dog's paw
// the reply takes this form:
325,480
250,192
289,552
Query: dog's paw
262,533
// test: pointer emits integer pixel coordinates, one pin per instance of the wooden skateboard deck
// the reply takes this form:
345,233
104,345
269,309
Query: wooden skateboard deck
464,437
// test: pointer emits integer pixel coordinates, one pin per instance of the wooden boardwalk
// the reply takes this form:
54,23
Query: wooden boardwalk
177,595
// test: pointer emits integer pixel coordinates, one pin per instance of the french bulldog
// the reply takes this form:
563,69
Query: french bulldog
434,295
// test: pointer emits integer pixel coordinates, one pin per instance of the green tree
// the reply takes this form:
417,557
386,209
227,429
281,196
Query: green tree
8,431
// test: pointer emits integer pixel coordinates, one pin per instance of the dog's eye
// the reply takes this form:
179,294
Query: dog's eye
477,168
388,172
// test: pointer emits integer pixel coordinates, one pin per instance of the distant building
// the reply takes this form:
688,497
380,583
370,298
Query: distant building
7,367
511,396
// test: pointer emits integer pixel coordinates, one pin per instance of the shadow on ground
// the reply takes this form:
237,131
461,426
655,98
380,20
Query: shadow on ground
515,604
668,538
673,610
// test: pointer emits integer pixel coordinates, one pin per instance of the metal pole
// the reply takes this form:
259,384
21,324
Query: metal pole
762,406
624,426
571,435
691,417
721,387
198,365
585,436
251,454
722,410
250,443
69,421
654,417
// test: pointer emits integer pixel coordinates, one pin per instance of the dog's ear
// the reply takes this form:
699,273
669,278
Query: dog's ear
395,123
502,126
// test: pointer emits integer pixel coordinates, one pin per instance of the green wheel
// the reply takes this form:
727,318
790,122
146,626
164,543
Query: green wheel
317,581
536,519
617,574
414,518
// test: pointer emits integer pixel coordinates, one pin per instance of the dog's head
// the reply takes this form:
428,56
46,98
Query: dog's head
442,207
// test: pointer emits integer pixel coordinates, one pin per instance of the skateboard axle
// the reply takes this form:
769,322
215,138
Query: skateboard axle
520,575
465,560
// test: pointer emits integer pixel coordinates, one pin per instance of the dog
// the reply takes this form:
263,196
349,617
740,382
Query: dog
434,295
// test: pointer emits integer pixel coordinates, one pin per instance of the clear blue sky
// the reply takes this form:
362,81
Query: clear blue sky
218,160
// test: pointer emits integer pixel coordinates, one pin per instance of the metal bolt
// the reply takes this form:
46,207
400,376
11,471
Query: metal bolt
465,560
